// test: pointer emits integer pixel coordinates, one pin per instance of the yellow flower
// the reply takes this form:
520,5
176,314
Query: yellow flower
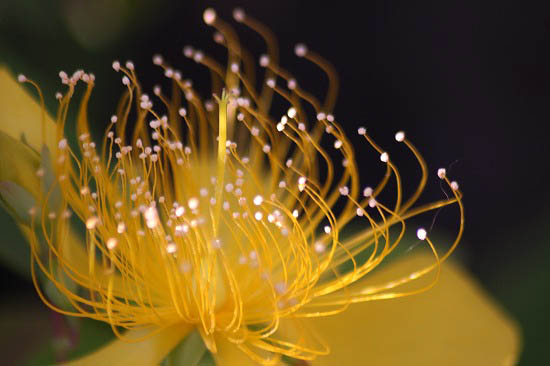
216,217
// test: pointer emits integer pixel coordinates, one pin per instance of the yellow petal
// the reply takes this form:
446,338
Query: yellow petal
229,354
145,353
454,323
18,164
21,115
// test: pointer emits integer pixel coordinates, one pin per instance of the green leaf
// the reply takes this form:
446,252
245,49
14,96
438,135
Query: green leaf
17,200
14,251
190,352
207,360
92,335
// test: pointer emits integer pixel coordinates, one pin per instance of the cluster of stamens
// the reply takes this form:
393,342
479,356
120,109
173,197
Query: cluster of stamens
212,212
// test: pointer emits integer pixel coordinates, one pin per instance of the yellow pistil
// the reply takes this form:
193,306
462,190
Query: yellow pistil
236,237
222,139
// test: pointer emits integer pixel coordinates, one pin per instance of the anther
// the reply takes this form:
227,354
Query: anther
218,37
209,16
216,243
238,15
421,233
180,210
300,50
454,185
111,243
367,192
258,200
400,136
193,203
264,60
319,247
157,60
291,113
301,183
188,51
92,222
292,84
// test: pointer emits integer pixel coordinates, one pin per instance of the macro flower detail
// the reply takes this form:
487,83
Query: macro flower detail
213,215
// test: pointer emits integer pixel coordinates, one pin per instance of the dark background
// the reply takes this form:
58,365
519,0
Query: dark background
469,81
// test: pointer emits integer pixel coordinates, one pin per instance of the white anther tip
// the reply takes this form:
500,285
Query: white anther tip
344,191
111,243
238,14
400,136
157,59
188,51
319,247
384,157
116,66
258,200
441,173
367,192
21,78
454,186
209,16
92,222
291,113
421,233
264,60
362,130
292,84
193,203
300,50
